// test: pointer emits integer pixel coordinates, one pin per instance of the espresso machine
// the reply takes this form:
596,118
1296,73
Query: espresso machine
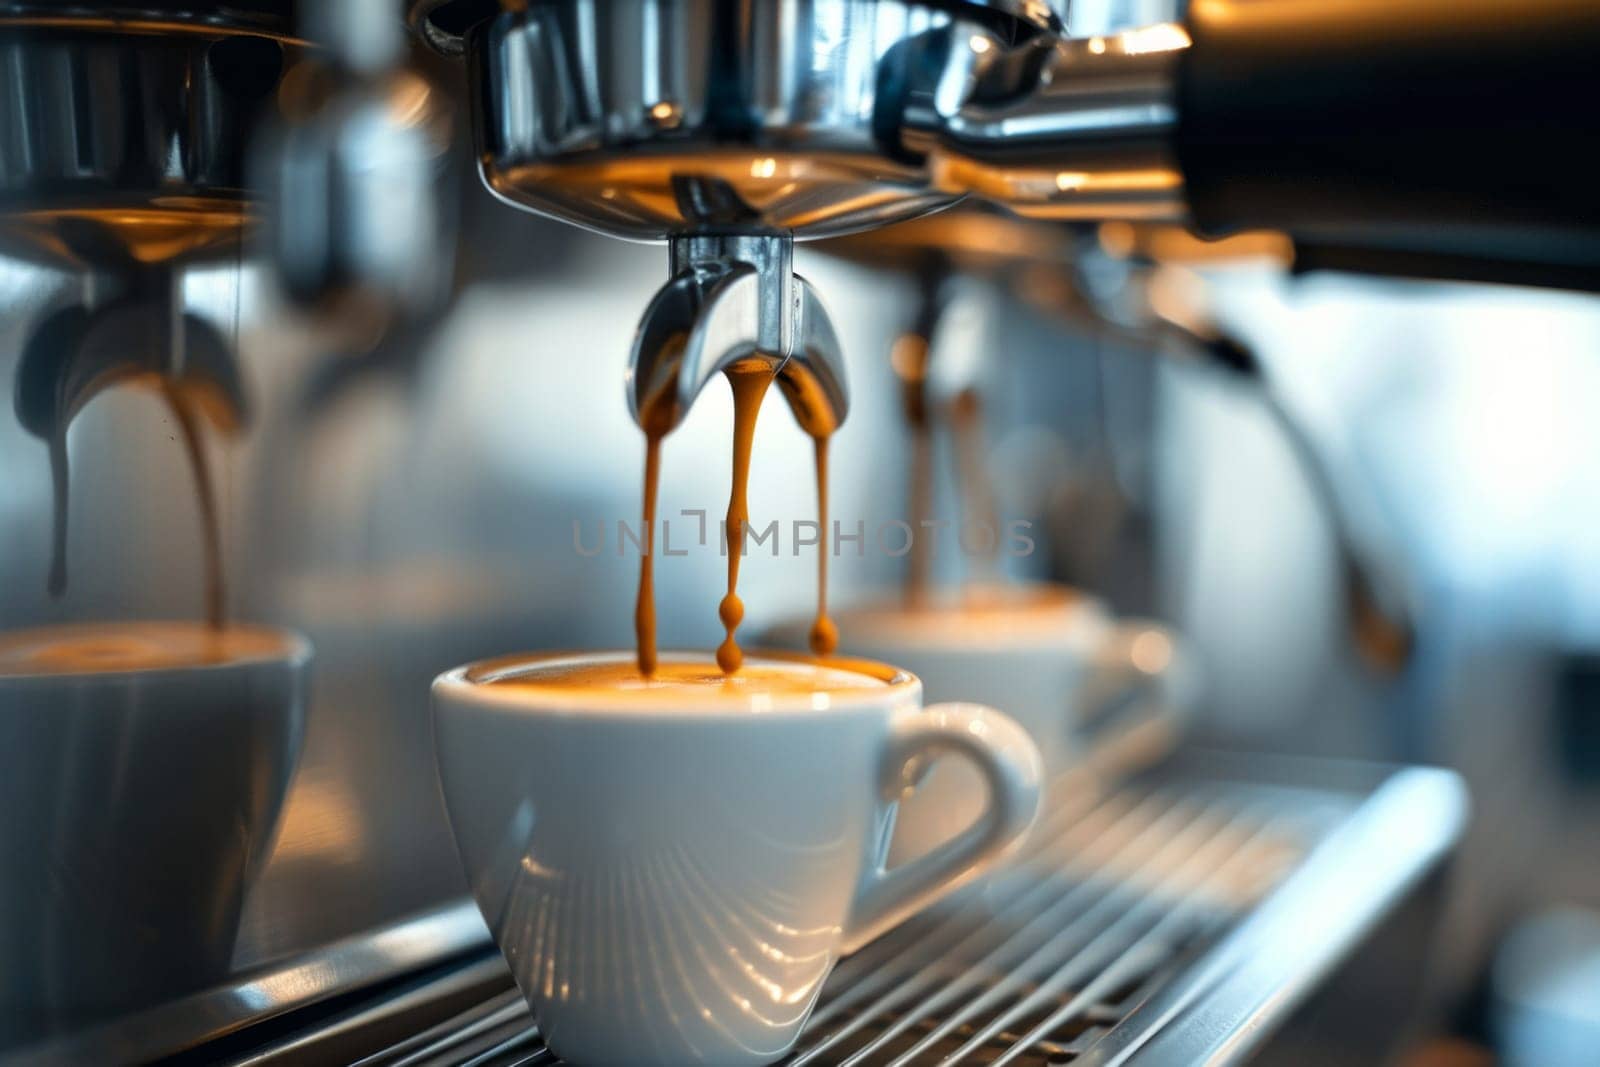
401,387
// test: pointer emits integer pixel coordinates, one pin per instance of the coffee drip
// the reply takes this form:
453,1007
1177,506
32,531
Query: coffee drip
750,383
962,415
141,337
734,307
824,636
644,610
749,380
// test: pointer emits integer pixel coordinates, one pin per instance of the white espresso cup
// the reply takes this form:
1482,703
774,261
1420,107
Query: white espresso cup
1087,687
672,871
143,767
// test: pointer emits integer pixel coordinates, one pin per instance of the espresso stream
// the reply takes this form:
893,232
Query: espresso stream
749,380
644,608
824,634
750,384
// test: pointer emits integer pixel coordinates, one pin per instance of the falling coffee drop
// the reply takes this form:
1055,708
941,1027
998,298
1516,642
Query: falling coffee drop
749,380
824,634
657,413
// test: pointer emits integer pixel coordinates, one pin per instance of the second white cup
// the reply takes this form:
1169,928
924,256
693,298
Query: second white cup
1075,677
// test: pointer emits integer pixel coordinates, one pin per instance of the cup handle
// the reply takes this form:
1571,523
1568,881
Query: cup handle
1140,694
1005,755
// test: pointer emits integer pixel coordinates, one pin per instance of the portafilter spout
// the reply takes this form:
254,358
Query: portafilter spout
140,335
732,299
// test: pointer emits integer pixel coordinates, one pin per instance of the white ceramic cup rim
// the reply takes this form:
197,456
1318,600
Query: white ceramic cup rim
890,687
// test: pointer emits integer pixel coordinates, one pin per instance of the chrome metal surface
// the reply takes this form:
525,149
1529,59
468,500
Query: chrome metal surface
439,34
362,36
734,299
970,240
1226,1007
79,351
1182,920
357,186
272,17
1151,307
123,149
1085,18
348,966
1057,128
819,117
651,118
443,24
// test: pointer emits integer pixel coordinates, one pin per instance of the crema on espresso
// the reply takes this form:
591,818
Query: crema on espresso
134,646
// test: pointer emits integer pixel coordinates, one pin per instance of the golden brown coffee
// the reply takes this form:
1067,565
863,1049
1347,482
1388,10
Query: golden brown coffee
750,380
134,646
967,614
755,679
644,609
824,634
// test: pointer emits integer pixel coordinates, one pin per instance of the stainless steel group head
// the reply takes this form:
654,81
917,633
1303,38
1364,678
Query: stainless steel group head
733,299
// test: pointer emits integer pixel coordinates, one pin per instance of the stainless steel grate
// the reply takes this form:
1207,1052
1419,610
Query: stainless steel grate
1182,919
1035,965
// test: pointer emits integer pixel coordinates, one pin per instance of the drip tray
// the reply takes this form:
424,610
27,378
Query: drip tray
1179,918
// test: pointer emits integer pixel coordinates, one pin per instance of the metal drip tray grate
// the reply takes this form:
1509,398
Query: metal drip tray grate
1037,965
1027,967
1179,919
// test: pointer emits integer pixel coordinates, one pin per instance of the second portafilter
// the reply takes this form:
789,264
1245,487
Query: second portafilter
1129,299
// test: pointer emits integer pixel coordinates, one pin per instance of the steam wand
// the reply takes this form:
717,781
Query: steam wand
1380,623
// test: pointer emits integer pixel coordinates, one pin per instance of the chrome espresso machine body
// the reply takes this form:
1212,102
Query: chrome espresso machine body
271,208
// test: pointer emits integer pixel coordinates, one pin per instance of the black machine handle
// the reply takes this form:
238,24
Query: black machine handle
1455,134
